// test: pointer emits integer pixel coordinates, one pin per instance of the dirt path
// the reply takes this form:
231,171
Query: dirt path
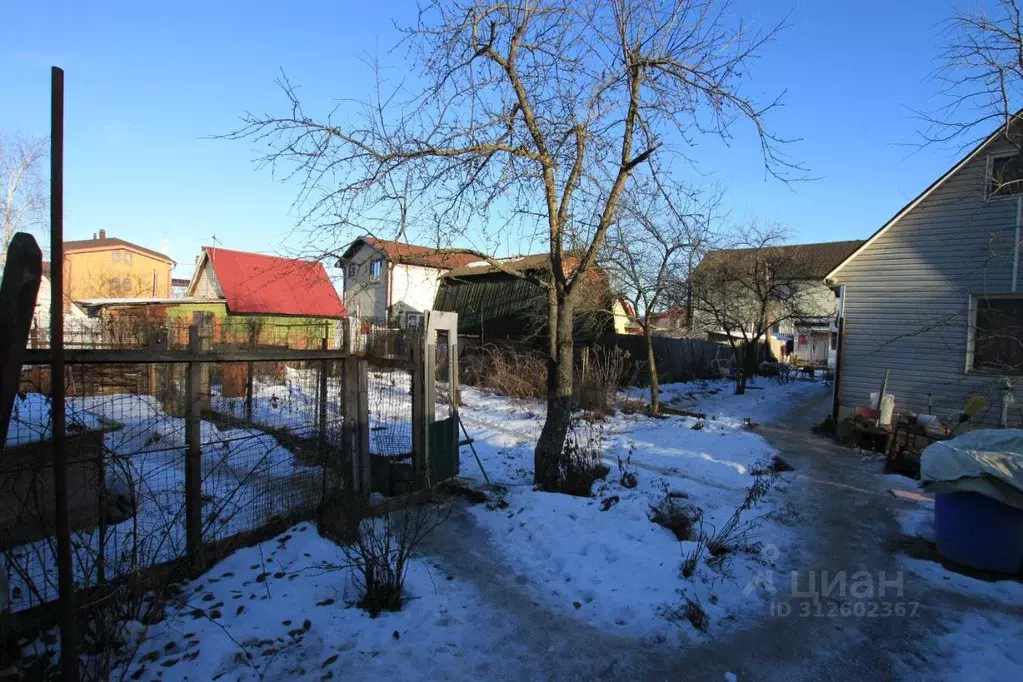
835,499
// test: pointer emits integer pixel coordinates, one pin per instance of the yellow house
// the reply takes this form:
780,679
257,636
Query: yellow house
108,267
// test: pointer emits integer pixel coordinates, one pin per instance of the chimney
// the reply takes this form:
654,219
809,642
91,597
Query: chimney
102,234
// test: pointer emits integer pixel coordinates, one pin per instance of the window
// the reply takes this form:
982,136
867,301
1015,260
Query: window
997,335
126,285
127,256
115,286
375,269
1005,176
115,256
351,270
413,320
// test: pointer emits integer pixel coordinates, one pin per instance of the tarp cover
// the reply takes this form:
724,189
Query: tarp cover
985,461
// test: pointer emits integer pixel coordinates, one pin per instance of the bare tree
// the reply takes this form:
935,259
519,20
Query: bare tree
980,76
742,291
649,251
529,118
23,198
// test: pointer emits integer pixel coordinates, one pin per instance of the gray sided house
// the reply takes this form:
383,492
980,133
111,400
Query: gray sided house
494,305
934,296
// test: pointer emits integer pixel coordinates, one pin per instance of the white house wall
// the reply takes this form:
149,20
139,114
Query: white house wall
413,288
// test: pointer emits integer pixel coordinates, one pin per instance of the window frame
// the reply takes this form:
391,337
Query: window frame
126,258
376,270
115,256
971,334
989,175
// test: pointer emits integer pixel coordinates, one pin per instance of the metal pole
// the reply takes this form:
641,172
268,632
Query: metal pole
65,569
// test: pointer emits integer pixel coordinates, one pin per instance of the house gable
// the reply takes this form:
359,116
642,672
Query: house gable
907,293
993,144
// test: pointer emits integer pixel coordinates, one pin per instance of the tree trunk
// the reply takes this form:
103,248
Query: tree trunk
547,458
655,390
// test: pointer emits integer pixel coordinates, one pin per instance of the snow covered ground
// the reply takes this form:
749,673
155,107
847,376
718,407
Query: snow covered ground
614,568
243,470
277,610
972,610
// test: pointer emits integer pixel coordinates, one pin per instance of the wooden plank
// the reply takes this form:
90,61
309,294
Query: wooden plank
350,387
193,456
418,416
22,273
144,355
322,401
362,446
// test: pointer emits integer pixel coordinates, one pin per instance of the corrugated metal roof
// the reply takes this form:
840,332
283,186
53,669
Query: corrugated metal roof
271,285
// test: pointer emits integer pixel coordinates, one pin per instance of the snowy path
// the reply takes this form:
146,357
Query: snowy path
840,505
954,627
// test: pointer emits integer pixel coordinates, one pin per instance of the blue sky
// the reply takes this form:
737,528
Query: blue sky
147,84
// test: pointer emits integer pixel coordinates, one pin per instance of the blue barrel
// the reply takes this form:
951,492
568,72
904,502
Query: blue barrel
977,531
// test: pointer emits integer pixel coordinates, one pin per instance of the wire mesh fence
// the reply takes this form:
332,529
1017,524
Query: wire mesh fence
267,435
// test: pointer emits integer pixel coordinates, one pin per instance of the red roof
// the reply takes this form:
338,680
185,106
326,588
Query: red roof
411,254
270,285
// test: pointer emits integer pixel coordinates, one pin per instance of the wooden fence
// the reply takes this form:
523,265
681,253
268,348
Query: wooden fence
677,359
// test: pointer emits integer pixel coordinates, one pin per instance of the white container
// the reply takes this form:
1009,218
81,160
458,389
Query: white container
873,399
887,410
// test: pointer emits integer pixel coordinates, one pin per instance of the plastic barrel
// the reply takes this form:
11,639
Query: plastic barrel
977,531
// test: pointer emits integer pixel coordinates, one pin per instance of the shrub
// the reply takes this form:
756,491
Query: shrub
380,554
504,370
602,372
678,517
626,473
582,462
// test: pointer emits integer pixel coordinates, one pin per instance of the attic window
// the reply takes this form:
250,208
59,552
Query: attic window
1005,176
127,256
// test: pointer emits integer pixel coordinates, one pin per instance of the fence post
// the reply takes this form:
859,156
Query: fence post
419,438
362,446
193,457
322,402
249,371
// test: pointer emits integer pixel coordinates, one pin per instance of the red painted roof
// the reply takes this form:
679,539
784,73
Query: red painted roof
270,285
412,254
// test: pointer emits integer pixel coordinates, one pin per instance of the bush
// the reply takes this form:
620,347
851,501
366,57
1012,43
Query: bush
504,370
626,472
677,516
380,555
602,372
582,462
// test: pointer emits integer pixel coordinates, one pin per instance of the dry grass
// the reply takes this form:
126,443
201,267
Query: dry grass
507,371
677,516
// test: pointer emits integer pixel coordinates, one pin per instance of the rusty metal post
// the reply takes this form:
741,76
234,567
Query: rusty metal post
65,566
193,456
